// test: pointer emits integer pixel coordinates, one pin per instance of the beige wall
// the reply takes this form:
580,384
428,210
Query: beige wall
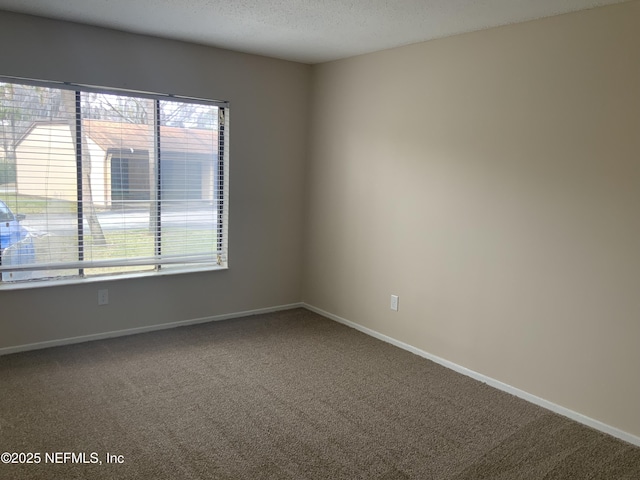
492,181
269,111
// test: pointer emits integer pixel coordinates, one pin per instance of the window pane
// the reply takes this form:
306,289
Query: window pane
39,183
189,142
117,177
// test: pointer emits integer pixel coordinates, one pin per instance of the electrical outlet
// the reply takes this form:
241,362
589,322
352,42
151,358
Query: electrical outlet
103,297
394,303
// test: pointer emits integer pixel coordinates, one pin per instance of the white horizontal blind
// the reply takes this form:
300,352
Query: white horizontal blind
110,182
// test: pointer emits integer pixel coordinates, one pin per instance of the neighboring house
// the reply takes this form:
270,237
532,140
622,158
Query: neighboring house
120,167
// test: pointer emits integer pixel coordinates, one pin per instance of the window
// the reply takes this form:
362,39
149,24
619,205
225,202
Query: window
100,182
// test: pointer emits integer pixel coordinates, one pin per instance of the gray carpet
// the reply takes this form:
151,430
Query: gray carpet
289,395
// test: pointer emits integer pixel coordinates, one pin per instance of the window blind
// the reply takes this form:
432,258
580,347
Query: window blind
99,182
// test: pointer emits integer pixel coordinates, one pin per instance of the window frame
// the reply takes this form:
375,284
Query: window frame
220,169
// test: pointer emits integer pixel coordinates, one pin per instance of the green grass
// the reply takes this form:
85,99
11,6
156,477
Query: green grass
27,204
120,244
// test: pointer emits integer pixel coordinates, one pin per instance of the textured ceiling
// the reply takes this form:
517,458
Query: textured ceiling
308,31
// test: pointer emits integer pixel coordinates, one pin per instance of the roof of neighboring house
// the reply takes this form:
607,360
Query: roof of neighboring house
119,136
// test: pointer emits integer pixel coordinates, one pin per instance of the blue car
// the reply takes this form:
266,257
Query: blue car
16,245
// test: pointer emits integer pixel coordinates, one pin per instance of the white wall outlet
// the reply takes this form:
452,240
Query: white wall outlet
394,303
103,297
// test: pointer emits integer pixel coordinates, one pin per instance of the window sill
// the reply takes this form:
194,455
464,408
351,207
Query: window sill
107,278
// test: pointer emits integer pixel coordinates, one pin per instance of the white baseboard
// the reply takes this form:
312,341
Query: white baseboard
578,417
149,328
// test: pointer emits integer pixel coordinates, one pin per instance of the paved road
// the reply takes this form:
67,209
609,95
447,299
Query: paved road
65,224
